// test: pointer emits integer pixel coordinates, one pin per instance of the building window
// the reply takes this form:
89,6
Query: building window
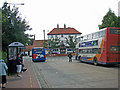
56,36
75,35
51,36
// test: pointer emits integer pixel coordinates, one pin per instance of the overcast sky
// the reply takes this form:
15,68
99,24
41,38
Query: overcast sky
83,15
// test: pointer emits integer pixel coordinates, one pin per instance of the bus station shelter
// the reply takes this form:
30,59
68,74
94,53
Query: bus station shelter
13,49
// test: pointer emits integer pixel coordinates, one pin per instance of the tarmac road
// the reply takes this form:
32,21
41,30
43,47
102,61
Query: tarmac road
57,72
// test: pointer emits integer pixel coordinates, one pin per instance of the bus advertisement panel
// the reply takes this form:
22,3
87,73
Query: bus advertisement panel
38,54
102,47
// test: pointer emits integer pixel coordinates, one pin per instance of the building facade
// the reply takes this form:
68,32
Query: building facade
36,43
61,37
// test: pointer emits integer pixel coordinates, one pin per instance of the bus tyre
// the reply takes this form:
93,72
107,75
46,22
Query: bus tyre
95,61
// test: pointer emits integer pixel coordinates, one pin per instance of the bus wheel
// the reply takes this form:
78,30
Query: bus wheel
95,61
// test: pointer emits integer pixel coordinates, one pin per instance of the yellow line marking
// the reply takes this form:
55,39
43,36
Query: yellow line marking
30,82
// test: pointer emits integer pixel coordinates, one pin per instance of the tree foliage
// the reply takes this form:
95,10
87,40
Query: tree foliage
0,30
54,43
70,42
118,21
110,20
13,26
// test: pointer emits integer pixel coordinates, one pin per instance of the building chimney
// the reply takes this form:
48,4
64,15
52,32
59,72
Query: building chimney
57,26
64,26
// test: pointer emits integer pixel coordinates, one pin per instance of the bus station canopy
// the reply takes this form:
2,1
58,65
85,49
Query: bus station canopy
16,44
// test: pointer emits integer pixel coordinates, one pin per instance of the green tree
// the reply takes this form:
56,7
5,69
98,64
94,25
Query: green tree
0,31
109,20
118,21
53,43
70,42
30,41
13,26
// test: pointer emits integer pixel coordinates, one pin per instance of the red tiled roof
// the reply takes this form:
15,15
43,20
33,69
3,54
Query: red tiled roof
64,31
39,43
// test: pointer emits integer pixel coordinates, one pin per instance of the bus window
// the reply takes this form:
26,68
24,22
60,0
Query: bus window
115,48
89,36
114,31
80,51
88,51
95,35
102,33
85,37
95,50
85,51
99,50
38,50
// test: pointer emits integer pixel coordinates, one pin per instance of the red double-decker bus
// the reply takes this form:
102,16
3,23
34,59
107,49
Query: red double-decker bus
102,47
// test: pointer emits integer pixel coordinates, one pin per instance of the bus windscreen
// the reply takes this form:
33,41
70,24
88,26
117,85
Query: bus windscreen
38,49
114,31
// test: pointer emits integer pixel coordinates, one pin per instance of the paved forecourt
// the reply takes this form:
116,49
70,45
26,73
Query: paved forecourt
27,81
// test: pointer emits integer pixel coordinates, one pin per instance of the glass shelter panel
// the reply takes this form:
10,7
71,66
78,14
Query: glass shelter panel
12,52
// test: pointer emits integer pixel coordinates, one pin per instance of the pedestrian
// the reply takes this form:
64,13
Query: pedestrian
19,65
3,73
76,57
70,57
23,66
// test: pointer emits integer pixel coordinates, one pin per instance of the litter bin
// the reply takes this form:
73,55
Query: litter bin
13,49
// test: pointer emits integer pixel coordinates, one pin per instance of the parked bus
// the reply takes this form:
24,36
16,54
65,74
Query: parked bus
102,47
38,54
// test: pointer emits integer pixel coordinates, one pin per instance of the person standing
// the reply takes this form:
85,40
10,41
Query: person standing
76,57
3,74
70,57
23,66
19,65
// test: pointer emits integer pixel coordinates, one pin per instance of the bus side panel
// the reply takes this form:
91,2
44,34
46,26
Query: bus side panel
102,58
87,58
113,58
